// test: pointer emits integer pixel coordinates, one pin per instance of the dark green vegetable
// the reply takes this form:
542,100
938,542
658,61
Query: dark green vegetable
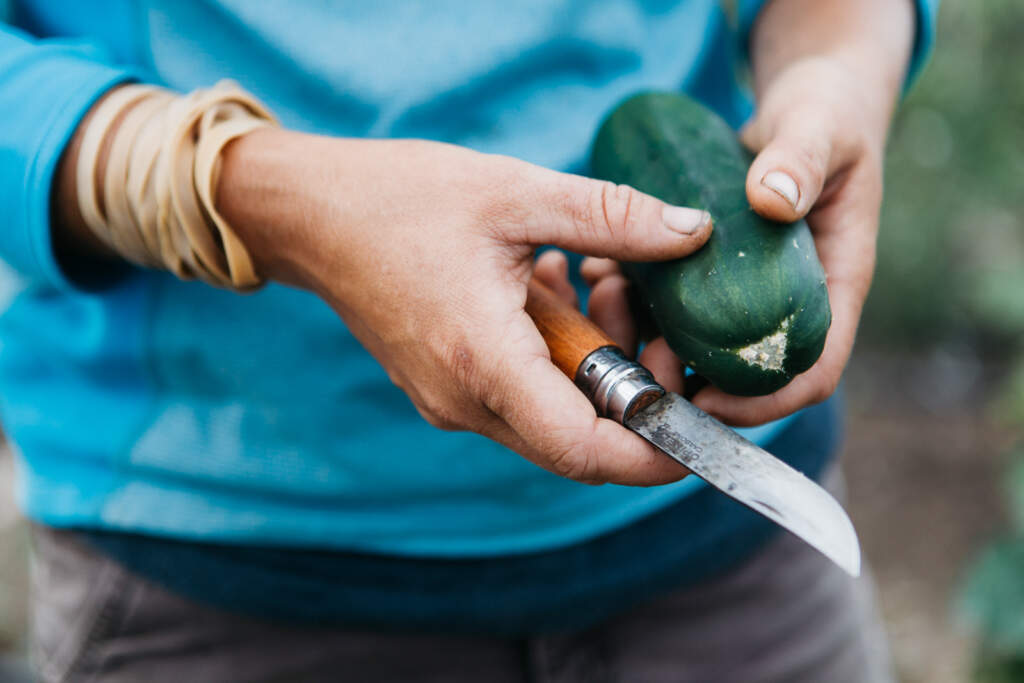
749,310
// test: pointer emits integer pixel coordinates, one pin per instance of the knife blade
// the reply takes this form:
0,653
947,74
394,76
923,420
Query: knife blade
751,475
626,392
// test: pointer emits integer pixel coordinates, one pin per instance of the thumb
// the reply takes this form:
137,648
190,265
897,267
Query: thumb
791,167
599,218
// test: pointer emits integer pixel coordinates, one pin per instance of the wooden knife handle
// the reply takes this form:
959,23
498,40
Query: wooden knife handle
569,334
617,386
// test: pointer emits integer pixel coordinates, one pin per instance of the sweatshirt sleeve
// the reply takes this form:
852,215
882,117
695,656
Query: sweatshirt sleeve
46,87
924,38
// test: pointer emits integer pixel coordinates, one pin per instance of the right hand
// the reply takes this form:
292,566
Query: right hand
425,251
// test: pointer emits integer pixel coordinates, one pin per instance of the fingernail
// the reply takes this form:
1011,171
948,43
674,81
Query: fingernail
684,220
783,185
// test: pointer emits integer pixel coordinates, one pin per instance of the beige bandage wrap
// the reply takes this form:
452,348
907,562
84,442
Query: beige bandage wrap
160,180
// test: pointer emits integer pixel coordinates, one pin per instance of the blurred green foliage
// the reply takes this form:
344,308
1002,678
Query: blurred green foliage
993,599
997,575
951,249
951,262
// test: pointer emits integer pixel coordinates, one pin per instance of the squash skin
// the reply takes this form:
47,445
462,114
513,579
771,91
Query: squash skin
752,280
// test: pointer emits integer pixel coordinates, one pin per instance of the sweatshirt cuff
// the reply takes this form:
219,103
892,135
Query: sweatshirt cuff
52,95
924,40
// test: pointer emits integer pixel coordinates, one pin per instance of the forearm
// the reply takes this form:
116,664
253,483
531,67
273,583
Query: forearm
870,39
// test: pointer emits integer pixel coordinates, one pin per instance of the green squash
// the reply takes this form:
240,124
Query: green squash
749,310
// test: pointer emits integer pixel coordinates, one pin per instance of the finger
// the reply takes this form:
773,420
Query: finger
788,174
752,135
556,426
593,269
598,218
609,309
813,386
552,269
808,388
664,364
847,253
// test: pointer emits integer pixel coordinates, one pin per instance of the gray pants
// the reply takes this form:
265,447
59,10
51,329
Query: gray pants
787,615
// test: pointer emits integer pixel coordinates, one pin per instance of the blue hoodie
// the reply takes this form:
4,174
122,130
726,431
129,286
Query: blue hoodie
141,403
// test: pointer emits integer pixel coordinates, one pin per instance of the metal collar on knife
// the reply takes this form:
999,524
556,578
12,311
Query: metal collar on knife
625,391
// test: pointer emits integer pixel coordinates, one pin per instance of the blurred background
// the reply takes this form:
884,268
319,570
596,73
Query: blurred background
935,441
934,450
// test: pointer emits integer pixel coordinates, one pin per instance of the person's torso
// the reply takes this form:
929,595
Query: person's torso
170,407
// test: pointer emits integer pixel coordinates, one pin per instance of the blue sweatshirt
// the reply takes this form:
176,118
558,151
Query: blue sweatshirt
169,408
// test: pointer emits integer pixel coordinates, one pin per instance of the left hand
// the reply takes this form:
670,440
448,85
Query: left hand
820,149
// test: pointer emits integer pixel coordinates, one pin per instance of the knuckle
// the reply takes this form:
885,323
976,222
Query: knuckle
399,380
572,460
460,359
873,164
440,410
445,398
567,463
492,193
611,211
500,214
450,414
436,413
813,159
478,379
566,202
825,389
440,421
857,146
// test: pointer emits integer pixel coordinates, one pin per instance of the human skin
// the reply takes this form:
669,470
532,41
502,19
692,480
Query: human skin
827,75
425,249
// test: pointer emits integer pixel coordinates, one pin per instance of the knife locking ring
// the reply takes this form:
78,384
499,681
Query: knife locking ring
617,386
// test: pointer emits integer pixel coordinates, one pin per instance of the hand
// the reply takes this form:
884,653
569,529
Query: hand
820,155
425,251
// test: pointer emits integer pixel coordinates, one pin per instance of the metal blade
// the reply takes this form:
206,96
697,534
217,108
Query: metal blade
751,475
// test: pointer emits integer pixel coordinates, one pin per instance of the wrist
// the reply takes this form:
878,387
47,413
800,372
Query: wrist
856,101
137,182
266,195
867,45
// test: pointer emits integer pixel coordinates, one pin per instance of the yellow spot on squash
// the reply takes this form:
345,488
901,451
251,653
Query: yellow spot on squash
768,353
